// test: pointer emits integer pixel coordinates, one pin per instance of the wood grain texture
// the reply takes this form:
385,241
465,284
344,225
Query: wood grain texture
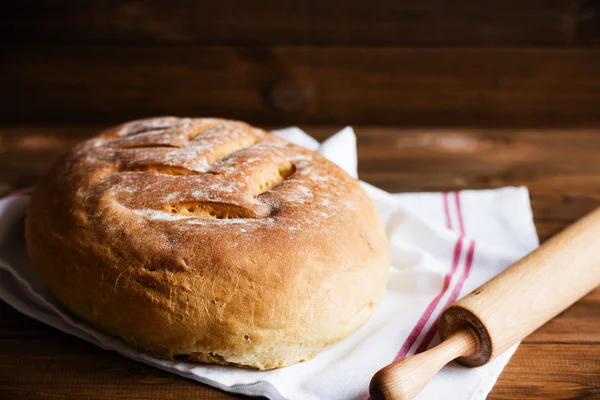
304,22
406,86
72,369
550,371
561,167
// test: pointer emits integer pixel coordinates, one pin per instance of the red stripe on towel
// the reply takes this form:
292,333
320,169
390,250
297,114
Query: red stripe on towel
453,296
447,210
459,211
418,328
414,334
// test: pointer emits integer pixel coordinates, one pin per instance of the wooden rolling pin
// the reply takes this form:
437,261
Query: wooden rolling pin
503,311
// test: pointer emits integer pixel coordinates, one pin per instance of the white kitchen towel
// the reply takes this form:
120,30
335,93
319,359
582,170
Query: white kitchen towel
443,245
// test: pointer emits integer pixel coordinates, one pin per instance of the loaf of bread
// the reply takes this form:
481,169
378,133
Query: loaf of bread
208,240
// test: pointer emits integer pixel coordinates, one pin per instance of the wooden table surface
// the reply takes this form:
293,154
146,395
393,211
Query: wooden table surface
561,168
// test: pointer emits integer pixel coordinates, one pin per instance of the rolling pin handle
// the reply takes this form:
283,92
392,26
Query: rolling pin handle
404,379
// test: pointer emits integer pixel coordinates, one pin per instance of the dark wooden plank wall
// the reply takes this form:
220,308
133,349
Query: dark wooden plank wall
302,22
428,63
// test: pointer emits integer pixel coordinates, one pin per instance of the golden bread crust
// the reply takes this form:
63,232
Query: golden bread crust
208,240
